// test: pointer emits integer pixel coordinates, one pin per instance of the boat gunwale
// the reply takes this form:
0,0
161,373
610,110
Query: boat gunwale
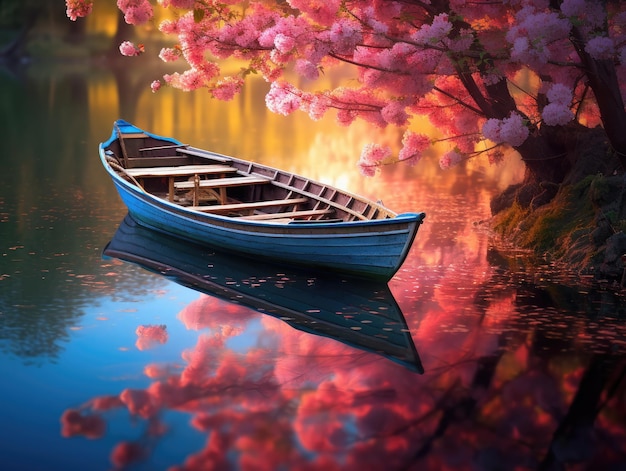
305,230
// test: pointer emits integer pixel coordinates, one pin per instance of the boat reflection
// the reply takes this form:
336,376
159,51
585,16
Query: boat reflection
362,314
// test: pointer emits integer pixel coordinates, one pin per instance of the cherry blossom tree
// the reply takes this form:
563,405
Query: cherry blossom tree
532,75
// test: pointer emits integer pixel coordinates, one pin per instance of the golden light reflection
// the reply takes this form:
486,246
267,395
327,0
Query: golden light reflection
321,150
103,105
104,19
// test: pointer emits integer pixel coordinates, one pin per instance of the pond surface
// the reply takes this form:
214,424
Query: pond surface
470,358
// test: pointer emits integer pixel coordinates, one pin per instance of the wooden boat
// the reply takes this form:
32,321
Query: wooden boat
253,209
361,313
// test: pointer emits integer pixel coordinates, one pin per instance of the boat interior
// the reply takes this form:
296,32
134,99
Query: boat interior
213,183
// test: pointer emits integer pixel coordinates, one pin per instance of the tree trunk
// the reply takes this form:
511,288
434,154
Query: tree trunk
572,441
123,32
603,80
605,87
14,48
76,31
544,156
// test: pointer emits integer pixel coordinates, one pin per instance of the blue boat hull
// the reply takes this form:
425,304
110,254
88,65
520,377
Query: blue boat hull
367,248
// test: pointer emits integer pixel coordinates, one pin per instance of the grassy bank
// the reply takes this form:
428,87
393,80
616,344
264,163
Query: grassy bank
583,226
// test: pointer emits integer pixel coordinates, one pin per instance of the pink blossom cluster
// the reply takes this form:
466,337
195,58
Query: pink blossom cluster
602,29
284,35
559,93
226,88
183,4
78,8
307,69
512,130
360,103
136,12
413,145
189,80
409,58
431,34
243,33
284,43
574,8
317,105
371,157
557,111
323,12
345,35
554,114
584,13
395,113
450,159
170,54
127,48
600,47
369,17
192,45
462,42
282,98
459,124
535,35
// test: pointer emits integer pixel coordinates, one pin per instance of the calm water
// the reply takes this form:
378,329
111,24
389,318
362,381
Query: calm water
106,365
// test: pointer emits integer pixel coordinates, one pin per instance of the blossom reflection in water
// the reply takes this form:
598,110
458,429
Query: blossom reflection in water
150,335
267,396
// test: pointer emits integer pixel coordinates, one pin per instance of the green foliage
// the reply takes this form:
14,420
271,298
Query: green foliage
11,14
571,212
508,221
553,228
599,189
56,48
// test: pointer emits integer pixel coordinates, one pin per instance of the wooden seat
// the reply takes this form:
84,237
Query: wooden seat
218,185
220,182
224,208
289,214
179,171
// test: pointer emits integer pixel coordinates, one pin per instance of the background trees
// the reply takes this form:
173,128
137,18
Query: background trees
16,20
